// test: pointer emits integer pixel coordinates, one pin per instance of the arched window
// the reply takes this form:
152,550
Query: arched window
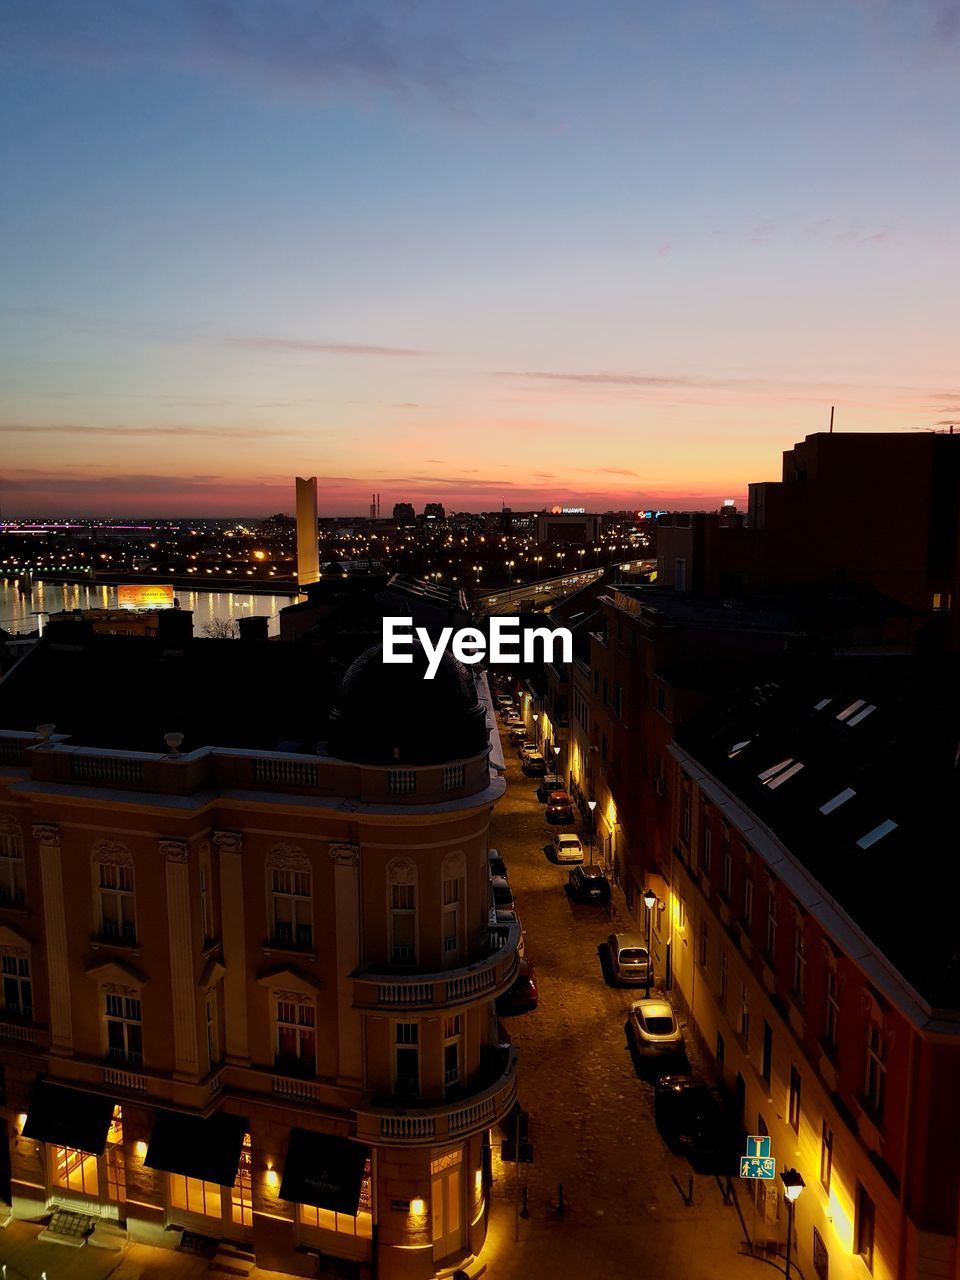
114,889
453,874
402,905
12,880
290,897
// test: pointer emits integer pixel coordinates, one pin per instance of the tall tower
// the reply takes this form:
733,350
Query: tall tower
308,551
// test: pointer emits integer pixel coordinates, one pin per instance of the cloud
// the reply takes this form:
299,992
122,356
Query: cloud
324,348
605,378
146,433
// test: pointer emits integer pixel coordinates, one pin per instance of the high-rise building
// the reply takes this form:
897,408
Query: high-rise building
308,550
434,511
248,992
404,513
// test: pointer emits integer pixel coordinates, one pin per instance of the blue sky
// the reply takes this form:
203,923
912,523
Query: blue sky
616,253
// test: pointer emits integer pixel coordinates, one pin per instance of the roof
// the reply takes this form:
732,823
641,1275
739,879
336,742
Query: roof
853,765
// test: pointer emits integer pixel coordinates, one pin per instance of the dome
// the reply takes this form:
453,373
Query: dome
388,713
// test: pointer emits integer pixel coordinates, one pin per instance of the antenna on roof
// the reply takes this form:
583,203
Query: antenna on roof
831,419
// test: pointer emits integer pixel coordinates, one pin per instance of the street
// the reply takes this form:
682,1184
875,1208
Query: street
591,1115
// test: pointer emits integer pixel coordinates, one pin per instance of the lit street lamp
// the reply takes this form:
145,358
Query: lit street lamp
650,900
793,1184
591,805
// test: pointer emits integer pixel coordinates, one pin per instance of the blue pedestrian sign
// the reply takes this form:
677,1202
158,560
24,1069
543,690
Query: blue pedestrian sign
758,1162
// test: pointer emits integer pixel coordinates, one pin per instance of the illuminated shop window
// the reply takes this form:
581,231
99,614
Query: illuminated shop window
116,1170
194,1195
75,1171
360,1226
242,1193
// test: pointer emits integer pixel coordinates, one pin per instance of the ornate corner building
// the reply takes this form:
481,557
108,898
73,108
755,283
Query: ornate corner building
249,994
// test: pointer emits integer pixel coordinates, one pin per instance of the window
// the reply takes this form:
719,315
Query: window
451,914
793,1110
724,978
826,1155
706,855
685,809
406,1074
876,1073
241,1195
606,691
877,833
831,1015
194,1196
721,1049
748,901
836,801
766,1060
727,880
12,880
864,1224
117,922
113,1157
680,574
821,1259
661,697
75,1171
328,1220
771,938
212,1018
403,923
618,701
291,907
124,1029
744,1013
206,897
17,987
296,1036
703,942
452,1049
799,961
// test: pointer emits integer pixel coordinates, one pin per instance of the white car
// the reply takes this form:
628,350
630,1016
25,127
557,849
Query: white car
567,847
654,1031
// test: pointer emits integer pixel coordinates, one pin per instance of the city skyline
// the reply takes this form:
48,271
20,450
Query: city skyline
517,256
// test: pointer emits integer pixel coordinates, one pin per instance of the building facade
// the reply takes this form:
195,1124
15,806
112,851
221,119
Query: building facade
250,994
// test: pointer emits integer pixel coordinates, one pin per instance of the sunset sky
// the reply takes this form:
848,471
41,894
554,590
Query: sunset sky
474,251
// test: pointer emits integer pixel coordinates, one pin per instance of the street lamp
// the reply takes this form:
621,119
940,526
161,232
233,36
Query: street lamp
650,900
591,805
793,1184
556,765
536,727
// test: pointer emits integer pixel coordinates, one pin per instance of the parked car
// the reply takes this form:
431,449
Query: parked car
518,735
654,1031
692,1115
513,721
534,764
559,808
500,922
630,962
529,748
504,700
588,884
503,898
567,847
522,995
497,865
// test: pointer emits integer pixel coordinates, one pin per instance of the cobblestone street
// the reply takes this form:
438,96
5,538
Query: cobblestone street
591,1116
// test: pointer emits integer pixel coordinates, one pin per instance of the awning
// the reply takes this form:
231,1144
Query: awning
69,1118
197,1148
324,1171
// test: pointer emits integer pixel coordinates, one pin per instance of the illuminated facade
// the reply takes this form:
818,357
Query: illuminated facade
249,994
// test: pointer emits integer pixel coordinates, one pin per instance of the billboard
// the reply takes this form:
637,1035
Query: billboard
145,595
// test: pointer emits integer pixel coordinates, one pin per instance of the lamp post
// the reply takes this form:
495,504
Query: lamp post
536,728
650,900
591,805
793,1184
556,765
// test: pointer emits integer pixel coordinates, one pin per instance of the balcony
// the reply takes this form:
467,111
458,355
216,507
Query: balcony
424,1125
383,991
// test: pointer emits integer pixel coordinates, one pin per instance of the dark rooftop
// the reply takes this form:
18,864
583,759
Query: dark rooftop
853,764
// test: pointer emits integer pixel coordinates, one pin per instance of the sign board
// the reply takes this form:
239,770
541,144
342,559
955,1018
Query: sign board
145,595
764,1167
758,1146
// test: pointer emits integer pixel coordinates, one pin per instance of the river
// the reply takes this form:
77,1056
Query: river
18,612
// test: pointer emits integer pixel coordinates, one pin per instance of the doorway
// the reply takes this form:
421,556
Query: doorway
446,1198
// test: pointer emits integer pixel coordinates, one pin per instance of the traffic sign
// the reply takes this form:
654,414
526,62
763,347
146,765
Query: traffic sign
764,1167
758,1146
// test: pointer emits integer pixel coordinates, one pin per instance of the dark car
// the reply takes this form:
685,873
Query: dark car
692,1116
503,899
522,995
588,884
497,865
559,808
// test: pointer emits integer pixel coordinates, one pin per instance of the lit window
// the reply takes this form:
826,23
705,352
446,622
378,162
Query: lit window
775,769
876,834
862,715
242,1190
296,1037
738,747
785,776
75,1171
850,708
840,798
327,1220
819,706
194,1196
113,1155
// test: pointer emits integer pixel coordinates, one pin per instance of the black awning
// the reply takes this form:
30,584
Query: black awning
69,1118
205,1149
324,1171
